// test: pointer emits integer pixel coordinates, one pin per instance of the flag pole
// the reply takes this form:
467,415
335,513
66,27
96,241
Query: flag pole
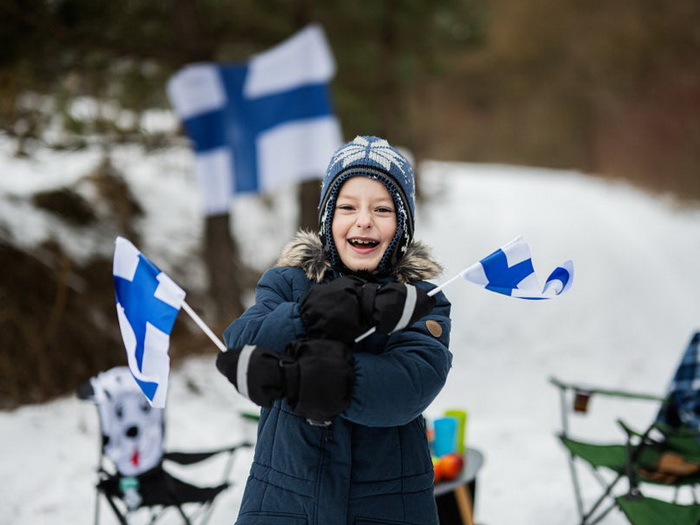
186,307
451,280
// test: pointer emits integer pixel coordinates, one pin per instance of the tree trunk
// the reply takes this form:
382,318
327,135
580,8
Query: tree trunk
223,268
221,256
390,89
309,195
309,191
192,27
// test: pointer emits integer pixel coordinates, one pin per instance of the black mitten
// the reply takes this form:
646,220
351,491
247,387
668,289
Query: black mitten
398,305
320,383
332,311
255,372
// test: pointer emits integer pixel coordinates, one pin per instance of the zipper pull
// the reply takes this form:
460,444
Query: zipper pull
316,423
327,424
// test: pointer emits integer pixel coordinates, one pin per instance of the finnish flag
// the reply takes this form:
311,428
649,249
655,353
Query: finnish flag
509,271
262,123
148,302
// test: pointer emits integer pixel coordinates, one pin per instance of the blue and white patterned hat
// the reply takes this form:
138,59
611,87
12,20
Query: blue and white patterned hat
375,158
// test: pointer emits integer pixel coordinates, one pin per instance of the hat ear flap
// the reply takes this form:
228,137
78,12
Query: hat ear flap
325,217
398,245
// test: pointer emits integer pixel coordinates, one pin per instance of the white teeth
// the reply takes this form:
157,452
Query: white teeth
363,242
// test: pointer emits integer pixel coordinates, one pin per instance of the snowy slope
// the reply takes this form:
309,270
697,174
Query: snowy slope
633,306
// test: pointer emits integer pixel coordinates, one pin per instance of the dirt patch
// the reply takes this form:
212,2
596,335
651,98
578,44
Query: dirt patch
67,204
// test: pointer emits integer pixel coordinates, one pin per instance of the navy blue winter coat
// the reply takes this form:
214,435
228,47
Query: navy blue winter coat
372,464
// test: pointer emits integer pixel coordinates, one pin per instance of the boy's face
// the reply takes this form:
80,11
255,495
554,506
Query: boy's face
364,223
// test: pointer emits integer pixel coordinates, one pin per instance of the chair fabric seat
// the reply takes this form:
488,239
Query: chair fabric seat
613,457
159,487
641,510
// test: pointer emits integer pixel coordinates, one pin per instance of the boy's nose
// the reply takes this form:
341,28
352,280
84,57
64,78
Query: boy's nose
364,219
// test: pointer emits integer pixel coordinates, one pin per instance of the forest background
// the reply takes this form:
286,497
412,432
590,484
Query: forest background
610,88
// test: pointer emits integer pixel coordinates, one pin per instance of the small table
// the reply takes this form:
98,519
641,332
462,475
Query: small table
462,490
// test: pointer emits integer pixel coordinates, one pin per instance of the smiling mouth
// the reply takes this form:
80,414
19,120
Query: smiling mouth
363,243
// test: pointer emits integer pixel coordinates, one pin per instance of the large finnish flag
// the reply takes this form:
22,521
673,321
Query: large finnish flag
148,302
509,271
259,124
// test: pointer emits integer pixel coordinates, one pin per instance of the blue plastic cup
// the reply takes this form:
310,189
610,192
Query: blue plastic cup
445,438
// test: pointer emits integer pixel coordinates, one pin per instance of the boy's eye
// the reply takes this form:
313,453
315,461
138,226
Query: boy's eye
346,207
385,210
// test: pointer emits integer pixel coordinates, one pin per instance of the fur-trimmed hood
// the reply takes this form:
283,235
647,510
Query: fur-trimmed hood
305,251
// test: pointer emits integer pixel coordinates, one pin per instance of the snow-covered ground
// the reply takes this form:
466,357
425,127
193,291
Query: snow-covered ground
634,304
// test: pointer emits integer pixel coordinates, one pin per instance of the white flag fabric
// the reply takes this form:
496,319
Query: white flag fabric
148,302
259,124
509,271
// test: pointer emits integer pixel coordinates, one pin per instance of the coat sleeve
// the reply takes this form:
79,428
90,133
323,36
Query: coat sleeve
274,320
394,386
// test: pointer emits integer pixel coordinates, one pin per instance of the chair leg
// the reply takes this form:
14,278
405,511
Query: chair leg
184,516
122,519
598,502
97,506
207,513
577,488
602,515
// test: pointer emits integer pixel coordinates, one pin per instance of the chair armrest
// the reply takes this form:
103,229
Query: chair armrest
606,391
190,458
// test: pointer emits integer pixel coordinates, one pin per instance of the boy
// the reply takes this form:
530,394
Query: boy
341,437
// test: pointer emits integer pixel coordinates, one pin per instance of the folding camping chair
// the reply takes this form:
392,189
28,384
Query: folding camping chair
131,472
666,453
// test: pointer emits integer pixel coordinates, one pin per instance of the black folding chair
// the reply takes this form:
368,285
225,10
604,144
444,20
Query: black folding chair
132,473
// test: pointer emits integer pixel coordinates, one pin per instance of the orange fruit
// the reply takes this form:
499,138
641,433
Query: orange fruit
450,465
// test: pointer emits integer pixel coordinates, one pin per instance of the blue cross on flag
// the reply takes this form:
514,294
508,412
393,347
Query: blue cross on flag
148,302
509,271
259,124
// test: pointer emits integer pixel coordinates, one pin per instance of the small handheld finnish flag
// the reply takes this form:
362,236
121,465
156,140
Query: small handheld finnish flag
509,271
148,302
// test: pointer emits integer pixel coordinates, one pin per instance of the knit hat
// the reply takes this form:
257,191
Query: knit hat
371,157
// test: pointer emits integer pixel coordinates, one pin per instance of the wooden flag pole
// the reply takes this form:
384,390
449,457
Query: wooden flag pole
203,326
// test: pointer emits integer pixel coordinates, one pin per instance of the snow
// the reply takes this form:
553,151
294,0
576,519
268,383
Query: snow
634,304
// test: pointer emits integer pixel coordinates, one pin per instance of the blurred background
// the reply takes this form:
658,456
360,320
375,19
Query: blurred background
608,88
